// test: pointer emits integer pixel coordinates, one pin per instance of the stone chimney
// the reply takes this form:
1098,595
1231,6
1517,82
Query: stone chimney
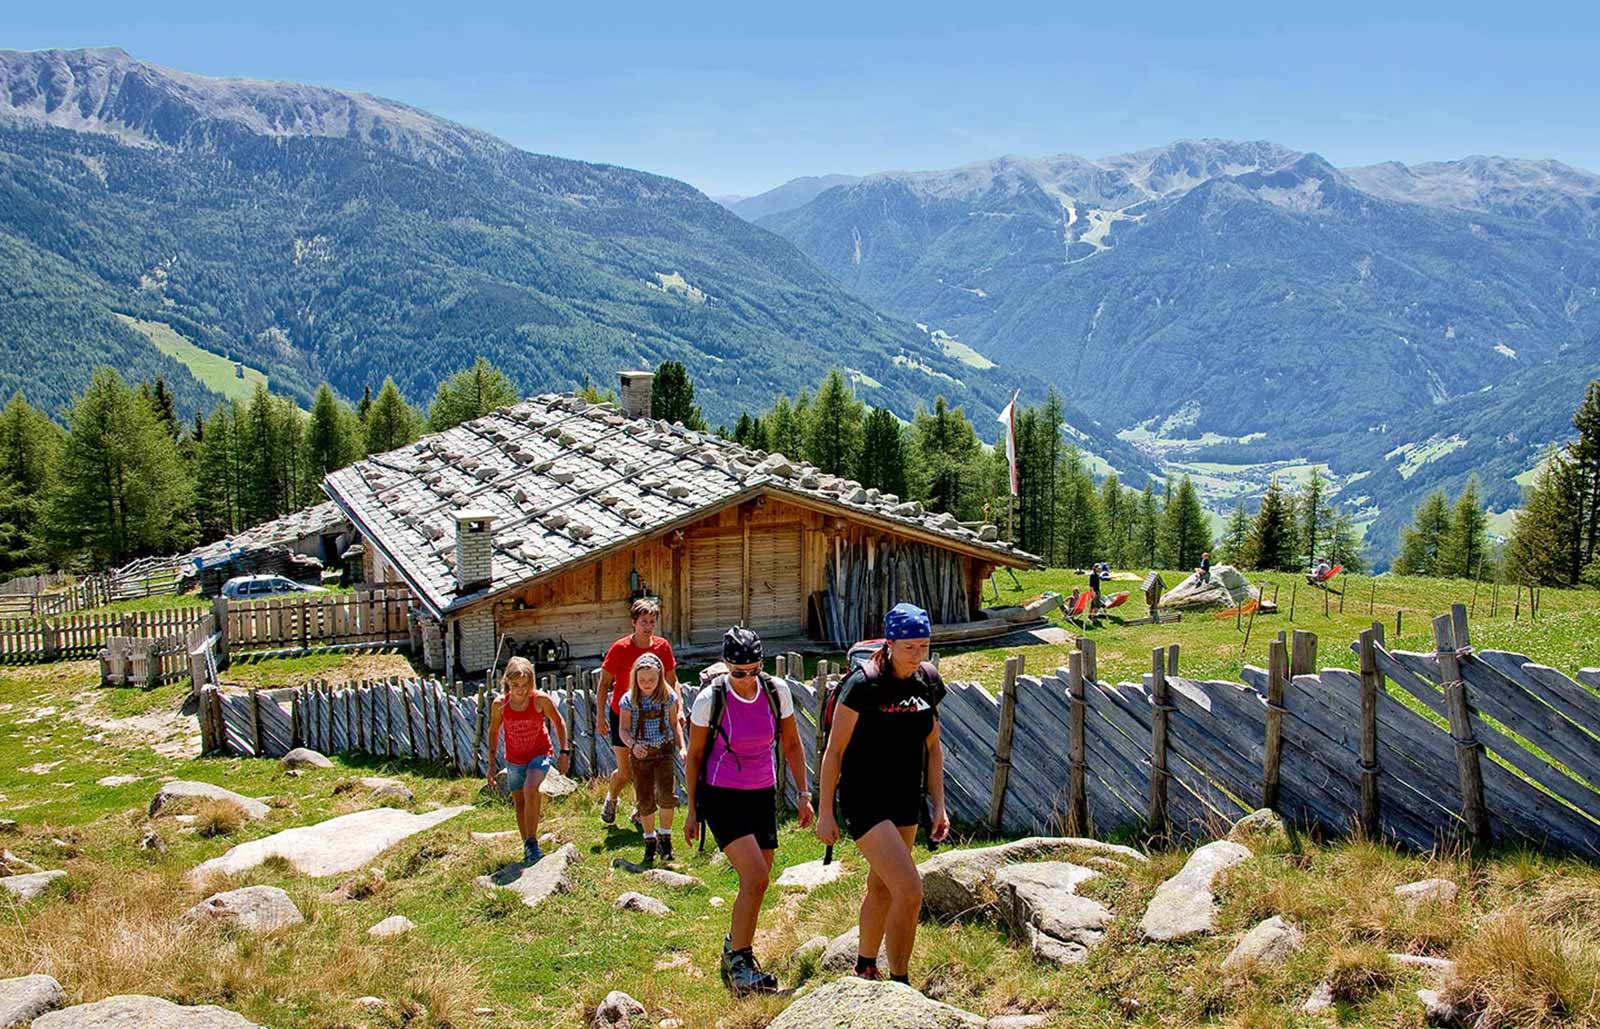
636,393
474,549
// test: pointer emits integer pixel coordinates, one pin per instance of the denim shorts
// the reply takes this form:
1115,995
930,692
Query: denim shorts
517,775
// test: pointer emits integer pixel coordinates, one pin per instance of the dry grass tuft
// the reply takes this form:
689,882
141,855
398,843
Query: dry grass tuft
1357,971
217,817
441,996
1522,974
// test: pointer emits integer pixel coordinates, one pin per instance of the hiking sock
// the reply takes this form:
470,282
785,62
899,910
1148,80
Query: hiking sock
649,850
865,965
900,978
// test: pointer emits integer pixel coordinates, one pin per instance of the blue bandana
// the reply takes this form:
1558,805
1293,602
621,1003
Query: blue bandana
907,622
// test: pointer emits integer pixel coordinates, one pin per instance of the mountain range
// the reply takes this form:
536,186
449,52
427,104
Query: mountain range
1242,309
315,234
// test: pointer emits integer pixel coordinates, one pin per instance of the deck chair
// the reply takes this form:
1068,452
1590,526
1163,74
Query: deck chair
1321,581
1117,599
1079,612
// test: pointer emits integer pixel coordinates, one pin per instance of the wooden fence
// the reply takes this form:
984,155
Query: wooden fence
1463,747
147,577
83,635
146,663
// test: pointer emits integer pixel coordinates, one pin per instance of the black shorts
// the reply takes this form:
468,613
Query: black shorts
732,814
865,808
616,726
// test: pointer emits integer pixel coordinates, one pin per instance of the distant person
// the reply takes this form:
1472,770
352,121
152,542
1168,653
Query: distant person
1202,574
732,782
883,758
520,714
1322,568
1094,587
653,734
615,670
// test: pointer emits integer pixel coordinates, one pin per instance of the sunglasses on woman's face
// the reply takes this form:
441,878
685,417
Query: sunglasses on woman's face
743,673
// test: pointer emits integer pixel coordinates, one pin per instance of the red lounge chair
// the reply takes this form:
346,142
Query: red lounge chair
1117,600
1321,581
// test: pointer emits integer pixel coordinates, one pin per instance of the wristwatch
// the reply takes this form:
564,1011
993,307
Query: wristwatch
566,750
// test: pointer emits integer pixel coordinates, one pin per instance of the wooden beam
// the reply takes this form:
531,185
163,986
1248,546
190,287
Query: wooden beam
1161,707
1002,747
1077,786
1468,749
1277,673
1371,682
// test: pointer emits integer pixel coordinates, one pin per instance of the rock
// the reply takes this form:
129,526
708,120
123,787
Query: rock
1440,1011
961,882
716,902
557,785
841,951
26,998
1184,904
670,1023
812,948
394,925
338,845
117,780
1225,588
620,1011
1270,943
1262,829
632,901
811,874
1038,902
1321,999
139,1012
304,757
370,1003
1443,968
510,835
8,825
387,791
28,886
674,880
1016,1021
183,790
1427,891
256,909
151,840
852,1003
536,882
10,864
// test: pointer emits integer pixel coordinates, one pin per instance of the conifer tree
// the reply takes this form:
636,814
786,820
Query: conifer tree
365,405
1271,541
1547,544
1079,523
950,464
1422,542
1113,517
1149,526
1584,453
331,435
833,435
784,430
1344,546
1466,538
1185,529
884,453
1315,516
470,393
30,444
218,501
1235,545
672,396
392,423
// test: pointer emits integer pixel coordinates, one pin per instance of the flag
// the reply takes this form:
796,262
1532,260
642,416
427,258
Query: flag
1008,418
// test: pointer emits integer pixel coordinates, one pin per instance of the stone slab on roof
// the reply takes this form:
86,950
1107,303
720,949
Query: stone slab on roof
318,520
567,480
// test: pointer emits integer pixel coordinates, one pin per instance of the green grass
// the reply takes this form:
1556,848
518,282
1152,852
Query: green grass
214,371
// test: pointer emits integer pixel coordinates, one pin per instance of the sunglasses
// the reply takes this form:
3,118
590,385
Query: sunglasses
743,673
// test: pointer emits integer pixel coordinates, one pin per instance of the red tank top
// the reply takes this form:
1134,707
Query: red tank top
525,733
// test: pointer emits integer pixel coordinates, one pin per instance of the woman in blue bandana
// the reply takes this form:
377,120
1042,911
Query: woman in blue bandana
884,740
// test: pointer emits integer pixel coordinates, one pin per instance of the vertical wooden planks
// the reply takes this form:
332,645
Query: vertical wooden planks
1161,707
1468,750
1277,673
1002,758
1077,787
1371,683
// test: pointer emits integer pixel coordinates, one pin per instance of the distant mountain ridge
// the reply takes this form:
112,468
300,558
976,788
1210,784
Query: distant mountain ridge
320,234
786,197
1236,309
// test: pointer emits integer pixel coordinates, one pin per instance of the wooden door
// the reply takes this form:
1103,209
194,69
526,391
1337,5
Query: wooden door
716,584
777,606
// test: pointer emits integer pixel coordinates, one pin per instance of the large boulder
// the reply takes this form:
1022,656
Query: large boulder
539,881
256,909
841,952
182,790
137,1012
852,1003
26,998
304,757
1184,904
1225,588
29,885
961,882
1040,905
333,847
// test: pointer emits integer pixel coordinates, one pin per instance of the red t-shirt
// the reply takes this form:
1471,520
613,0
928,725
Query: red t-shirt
620,658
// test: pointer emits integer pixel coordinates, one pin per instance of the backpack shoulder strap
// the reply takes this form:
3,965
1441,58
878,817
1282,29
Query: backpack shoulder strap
769,686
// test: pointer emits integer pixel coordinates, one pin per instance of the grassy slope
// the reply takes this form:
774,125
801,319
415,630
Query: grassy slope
214,371
1526,923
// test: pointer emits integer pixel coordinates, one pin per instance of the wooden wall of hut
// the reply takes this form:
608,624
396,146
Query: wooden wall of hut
869,572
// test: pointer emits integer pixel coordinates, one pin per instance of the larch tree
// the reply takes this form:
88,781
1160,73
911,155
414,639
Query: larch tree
30,444
1422,542
1547,544
392,423
672,396
470,393
1271,537
1466,538
332,436
1185,528
884,453
833,435
1234,548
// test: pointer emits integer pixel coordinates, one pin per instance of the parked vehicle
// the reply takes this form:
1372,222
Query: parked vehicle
245,587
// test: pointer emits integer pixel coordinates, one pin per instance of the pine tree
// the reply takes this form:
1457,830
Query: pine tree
1271,541
259,446
365,405
392,423
1584,453
1185,529
1466,539
884,453
332,436
30,444
468,394
1113,517
1344,546
951,466
121,488
785,430
1147,544
1234,548
1315,516
672,396
1547,544
833,437
217,501
1079,521
1422,541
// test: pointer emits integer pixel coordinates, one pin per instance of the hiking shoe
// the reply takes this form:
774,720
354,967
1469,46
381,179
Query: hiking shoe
637,824
664,847
742,975
531,853
608,811
649,852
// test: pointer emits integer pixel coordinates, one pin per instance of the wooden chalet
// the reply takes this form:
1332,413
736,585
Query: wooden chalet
542,522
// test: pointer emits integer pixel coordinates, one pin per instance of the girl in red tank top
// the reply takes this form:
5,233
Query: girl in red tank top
519,718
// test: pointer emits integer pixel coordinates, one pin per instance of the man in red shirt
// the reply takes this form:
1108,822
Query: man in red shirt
614,672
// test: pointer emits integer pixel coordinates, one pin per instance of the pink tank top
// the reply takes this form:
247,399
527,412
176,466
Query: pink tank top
525,733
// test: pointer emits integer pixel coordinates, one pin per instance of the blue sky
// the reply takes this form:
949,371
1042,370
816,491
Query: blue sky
738,98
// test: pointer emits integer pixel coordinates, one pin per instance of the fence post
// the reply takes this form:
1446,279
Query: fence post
255,721
219,607
1172,661
1371,682
1091,667
1303,654
1077,802
819,686
1002,745
1277,674
780,666
1158,742
591,685
1450,650
1293,589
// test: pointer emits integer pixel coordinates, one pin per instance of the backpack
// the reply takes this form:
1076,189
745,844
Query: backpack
719,702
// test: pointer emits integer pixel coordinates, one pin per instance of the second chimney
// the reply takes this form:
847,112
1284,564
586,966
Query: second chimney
636,393
474,549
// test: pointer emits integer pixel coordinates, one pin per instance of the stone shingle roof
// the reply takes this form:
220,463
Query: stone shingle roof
322,519
567,480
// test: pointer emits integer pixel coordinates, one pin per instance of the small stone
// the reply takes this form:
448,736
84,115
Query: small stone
1321,999
670,1023
811,874
557,785
117,780
25,998
1016,1021
620,1011
537,882
371,1003
181,790
812,948
508,836
13,865
8,825
387,791
1270,943
717,902
632,901
151,840
1438,1010
674,880
26,887
1427,891
483,1012
304,757
257,909
394,925
1262,829
1443,968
